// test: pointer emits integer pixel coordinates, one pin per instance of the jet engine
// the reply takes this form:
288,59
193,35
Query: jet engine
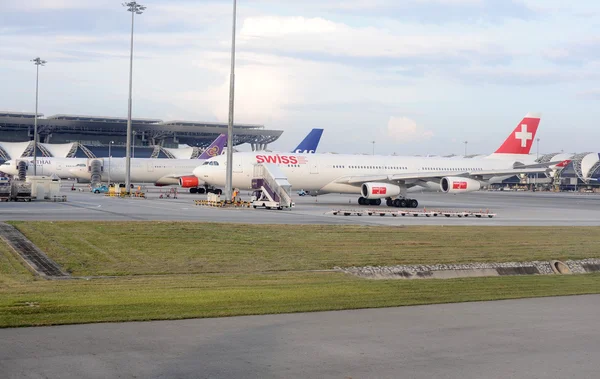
166,181
379,190
452,184
189,182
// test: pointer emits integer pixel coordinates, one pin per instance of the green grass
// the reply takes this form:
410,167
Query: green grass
212,295
11,270
210,270
142,248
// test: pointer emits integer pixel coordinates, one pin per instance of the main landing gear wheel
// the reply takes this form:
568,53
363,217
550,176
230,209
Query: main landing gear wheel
389,202
365,201
403,203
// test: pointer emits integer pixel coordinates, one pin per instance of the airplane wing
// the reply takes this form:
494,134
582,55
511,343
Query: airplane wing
437,175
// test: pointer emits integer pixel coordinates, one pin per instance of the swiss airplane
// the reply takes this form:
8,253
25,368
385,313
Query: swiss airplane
377,177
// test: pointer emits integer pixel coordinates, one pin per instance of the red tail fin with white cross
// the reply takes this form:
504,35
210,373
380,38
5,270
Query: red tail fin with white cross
521,139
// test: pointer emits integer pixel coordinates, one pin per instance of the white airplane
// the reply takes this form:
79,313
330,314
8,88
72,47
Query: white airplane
377,177
161,172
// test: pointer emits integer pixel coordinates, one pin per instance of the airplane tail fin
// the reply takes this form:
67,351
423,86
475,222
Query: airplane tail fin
564,163
215,148
310,143
521,139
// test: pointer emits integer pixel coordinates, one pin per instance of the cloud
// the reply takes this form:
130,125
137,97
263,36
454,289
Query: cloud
43,5
319,39
579,53
423,11
404,129
590,94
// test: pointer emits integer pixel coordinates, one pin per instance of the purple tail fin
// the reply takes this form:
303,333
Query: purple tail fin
215,148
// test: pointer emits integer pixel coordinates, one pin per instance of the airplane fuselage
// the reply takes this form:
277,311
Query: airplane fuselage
322,173
143,170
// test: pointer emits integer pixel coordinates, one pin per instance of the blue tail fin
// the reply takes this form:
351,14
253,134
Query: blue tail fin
215,148
310,143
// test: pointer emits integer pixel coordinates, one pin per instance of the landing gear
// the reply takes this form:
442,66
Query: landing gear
365,201
398,203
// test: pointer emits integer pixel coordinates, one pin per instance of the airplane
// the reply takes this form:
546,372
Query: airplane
377,177
160,171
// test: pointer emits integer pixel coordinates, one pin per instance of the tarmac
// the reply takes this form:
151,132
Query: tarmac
512,208
529,338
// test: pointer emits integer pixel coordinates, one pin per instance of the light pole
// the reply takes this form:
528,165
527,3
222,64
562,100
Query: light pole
466,142
37,62
133,145
109,160
229,168
134,8
373,142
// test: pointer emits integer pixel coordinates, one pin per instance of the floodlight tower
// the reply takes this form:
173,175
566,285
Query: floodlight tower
134,8
229,167
37,62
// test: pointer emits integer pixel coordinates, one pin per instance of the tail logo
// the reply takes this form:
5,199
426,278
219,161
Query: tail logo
213,151
523,135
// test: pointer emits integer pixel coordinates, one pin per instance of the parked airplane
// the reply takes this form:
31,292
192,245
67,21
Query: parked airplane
161,172
377,177
143,170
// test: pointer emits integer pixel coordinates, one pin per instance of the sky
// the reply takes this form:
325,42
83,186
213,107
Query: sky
415,76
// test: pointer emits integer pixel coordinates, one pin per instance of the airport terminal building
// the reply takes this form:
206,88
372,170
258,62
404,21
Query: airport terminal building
91,136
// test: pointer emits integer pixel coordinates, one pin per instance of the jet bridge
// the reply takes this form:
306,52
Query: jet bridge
271,187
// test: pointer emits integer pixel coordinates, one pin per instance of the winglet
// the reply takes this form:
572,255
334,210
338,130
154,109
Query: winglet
521,139
215,148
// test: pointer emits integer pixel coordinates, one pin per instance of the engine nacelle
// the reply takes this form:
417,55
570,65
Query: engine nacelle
166,181
379,190
453,184
189,182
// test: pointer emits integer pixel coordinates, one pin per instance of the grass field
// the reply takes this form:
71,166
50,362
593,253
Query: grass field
142,248
205,270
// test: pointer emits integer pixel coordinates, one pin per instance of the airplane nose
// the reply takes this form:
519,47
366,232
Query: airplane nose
199,172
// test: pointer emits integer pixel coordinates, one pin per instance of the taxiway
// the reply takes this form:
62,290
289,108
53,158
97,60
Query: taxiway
528,338
512,208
